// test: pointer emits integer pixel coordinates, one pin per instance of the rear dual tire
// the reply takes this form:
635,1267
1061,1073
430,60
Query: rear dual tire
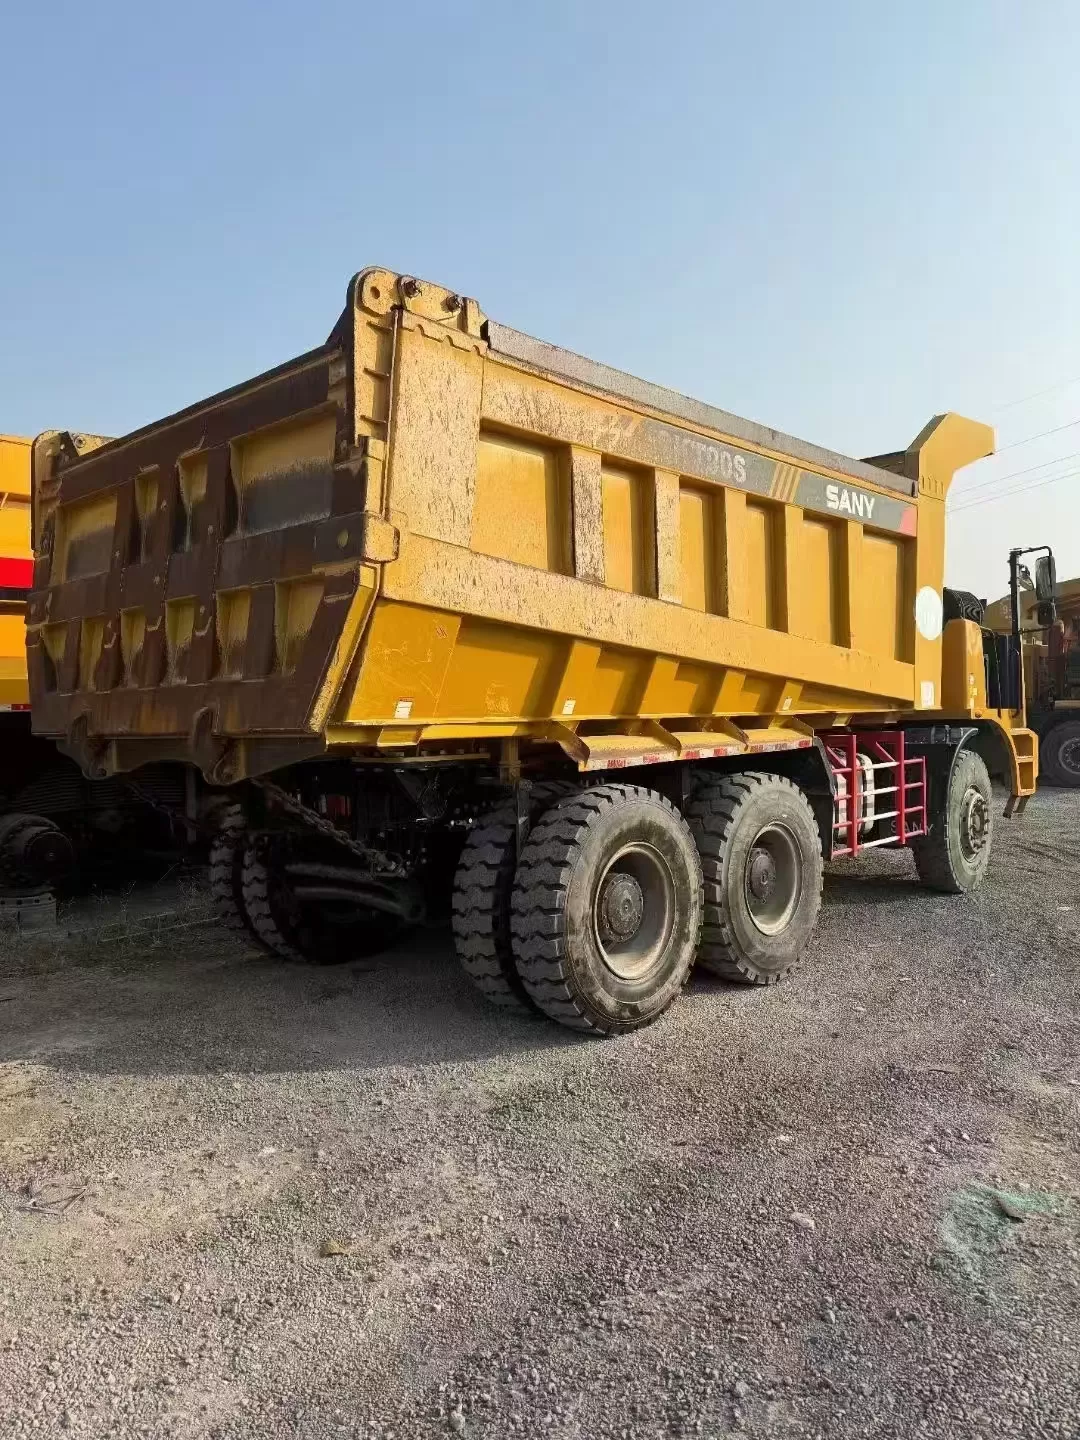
606,909
481,900
252,896
226,867
599,922
761,858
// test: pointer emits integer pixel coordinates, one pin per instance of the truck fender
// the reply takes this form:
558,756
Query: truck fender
941,744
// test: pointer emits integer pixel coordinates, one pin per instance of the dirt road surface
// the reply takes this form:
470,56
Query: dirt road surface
847,1207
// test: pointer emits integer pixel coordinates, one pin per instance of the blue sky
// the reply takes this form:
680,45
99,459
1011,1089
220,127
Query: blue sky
834,219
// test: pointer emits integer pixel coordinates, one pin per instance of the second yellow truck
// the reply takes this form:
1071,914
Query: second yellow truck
438,602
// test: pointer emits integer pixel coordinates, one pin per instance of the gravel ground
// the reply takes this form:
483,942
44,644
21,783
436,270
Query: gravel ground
849,1207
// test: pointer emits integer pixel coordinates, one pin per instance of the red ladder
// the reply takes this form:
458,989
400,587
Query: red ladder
885,750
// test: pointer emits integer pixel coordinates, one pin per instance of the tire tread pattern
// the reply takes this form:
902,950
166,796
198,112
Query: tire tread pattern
540,894
712,813
481,902
225,862
934,859
481,909
255,882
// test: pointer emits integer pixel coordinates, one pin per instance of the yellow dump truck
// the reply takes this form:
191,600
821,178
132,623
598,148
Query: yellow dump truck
438,603
50,814
33,850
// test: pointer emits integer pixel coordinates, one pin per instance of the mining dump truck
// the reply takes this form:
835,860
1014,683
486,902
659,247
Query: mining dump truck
450,615
33,851
52,818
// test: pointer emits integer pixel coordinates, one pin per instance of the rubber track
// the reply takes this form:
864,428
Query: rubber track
543,876
255,884
225,862
712,813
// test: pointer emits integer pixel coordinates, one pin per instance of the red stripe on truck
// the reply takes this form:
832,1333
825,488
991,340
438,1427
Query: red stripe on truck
16,574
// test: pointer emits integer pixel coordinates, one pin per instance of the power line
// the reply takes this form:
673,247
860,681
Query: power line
1012,475
1035,395
1017,490
1041,435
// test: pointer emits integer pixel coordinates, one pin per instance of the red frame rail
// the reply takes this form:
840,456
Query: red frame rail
885,751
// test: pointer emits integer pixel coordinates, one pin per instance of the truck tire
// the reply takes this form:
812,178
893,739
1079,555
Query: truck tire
263,907
760,851
483,891
303,932
961,605
226,863
34,852
483,886
1059,754
606,909
953,855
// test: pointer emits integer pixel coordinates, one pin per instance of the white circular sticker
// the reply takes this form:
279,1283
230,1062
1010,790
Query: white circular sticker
928,613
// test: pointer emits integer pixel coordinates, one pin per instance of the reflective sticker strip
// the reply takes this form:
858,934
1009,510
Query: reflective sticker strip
8,708
785,482
697,752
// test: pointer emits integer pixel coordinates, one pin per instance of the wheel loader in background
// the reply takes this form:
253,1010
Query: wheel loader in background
51,816
440,609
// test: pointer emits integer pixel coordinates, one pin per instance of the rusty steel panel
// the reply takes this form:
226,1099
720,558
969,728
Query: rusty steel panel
168,567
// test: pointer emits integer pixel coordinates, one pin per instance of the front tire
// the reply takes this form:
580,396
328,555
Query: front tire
760,854
1059,754
607,909
954,855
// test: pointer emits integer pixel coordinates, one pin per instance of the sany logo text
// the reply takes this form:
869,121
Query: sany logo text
850,502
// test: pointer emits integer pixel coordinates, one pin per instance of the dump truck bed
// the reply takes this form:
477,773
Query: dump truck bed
434,531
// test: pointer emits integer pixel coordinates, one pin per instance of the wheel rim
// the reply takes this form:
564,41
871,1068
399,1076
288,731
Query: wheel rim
974,824
1069,756
773,878
634,911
